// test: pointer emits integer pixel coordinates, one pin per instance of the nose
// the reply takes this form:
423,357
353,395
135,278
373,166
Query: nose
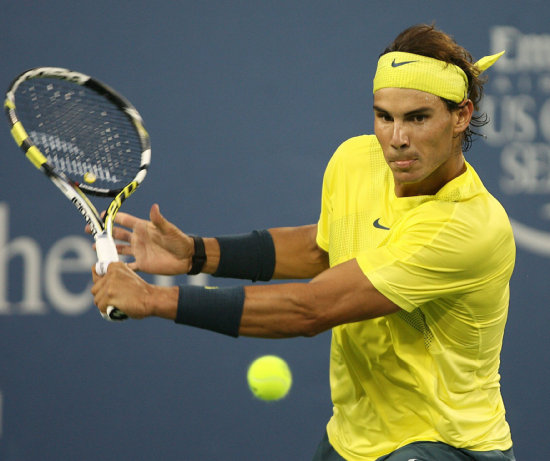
400,138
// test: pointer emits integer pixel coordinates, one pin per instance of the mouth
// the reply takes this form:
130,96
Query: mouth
404,164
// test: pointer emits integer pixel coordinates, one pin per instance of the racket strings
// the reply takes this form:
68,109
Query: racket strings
82,133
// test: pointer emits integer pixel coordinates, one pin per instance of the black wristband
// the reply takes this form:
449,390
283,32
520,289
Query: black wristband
199,258
247,256
214,309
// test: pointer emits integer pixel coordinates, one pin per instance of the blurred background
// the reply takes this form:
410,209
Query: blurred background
245,102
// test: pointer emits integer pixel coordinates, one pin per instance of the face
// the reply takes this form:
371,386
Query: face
420,139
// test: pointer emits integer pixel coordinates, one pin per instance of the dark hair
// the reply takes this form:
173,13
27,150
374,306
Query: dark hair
428,41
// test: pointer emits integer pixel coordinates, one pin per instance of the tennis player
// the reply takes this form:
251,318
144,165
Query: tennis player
410,264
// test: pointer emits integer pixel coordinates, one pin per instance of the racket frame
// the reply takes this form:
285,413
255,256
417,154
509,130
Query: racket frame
101,228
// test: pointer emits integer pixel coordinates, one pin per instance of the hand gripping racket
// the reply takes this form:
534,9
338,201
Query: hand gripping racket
88,139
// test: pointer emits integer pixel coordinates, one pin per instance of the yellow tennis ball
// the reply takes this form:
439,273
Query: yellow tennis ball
89,177
269,377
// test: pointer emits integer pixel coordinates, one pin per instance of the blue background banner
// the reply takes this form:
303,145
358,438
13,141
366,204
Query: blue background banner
245,103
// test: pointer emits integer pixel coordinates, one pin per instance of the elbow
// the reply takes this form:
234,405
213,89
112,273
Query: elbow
311,318
312,331
309,328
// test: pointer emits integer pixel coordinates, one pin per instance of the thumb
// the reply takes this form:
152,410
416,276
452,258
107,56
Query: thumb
94,274
156,217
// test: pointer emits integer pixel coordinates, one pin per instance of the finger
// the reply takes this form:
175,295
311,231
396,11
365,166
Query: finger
133,265
95,277
123,249
126,220
121,234
97,285
102,306
115,267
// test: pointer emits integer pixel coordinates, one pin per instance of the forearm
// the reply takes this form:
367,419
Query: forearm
296,254
281,311
263,311
163,302
339,295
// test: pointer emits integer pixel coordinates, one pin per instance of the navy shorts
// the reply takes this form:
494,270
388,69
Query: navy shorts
421,451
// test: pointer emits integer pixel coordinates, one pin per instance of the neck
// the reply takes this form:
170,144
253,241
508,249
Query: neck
430,185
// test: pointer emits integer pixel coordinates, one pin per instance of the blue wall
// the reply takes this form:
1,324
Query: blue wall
245,102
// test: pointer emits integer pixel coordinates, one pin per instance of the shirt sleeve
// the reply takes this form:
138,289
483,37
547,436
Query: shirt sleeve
426,258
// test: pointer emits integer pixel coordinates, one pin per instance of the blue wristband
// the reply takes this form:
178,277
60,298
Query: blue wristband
247,256
214,309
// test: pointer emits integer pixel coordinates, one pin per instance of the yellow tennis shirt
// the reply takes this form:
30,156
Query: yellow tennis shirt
430,371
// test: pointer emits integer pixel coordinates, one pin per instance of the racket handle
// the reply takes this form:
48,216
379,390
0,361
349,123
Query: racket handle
114,315
107,254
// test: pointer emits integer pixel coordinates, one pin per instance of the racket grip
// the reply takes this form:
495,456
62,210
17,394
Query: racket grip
107,254
114,315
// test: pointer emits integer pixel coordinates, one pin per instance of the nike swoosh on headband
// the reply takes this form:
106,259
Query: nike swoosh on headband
377,224
402,63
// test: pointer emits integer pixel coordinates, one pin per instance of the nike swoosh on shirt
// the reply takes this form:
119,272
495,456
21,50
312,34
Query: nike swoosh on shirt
402,63
377,224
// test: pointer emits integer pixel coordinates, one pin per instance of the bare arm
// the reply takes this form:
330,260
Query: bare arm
159,247
297,255
338,295
334,296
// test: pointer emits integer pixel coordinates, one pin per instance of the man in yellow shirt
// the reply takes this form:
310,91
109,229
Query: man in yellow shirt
410,265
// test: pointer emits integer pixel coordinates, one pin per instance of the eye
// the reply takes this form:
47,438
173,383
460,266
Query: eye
419,118
384,116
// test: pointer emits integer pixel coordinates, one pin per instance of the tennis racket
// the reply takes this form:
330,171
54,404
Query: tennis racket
88,139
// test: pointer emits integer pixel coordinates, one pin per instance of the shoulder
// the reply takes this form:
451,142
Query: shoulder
357,152
476,231
358,145
466,202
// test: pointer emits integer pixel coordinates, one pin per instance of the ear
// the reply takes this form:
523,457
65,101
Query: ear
463,116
